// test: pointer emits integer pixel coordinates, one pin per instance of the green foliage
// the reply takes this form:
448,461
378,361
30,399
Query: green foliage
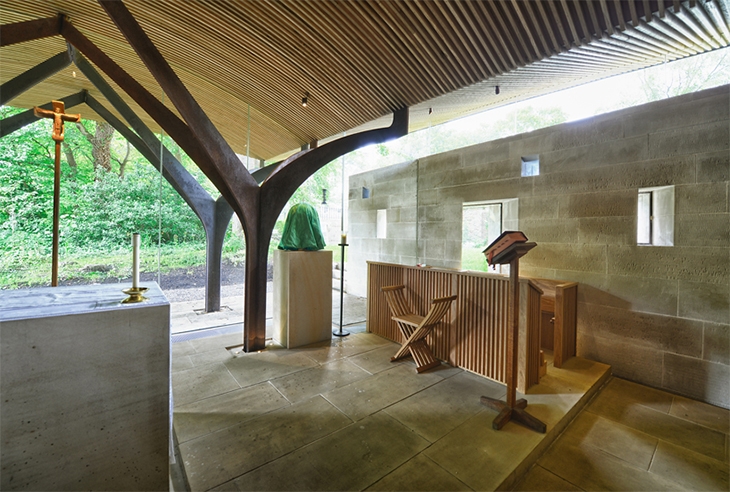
473,259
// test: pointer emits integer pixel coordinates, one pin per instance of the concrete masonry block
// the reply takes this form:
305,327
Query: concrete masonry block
702,230
649,295
710,265
491,190
697,378
538,207
592,156
717,343
550,230
435,213
678,115
527,270
651,331
434,249
402,170
574,257
704,198
538,142
708,302
361,231
401,230
439,163
405,247
713,166
627,360
428,196
602,204
658,172
407,199
438,230
485,153
392,187
690,140
452,250
607,230
493,170
588,132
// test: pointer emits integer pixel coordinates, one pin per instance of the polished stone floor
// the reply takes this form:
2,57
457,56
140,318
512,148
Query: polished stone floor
340,416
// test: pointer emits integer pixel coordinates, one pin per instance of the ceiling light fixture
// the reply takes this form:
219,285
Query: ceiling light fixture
304,99
496,89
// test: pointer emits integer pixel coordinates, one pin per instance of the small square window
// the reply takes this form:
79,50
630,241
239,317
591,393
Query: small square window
382,223
531,165
655,216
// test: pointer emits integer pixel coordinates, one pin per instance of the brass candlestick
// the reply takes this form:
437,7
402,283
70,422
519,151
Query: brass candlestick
135,295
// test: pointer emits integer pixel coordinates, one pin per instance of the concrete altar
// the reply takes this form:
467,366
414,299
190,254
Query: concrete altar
85,387
302,297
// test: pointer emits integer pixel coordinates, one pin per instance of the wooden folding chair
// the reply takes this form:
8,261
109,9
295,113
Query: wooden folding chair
415,328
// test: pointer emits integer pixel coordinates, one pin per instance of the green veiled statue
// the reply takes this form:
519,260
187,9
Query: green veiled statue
302,230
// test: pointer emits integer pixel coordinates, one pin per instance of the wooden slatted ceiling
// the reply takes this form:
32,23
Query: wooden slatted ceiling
360,60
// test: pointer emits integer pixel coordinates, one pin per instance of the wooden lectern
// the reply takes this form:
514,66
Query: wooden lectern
508,248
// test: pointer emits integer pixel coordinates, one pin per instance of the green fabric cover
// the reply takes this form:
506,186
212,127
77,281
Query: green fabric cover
302,229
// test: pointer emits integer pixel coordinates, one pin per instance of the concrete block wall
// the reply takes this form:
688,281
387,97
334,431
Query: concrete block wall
658,315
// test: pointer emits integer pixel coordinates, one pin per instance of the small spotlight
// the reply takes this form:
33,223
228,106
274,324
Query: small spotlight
73,73
496,89
305,99
430,110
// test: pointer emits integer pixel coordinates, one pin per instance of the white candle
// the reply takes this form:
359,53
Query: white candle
135,260
343,238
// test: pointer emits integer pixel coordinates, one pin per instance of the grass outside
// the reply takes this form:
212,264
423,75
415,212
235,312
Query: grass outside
88,267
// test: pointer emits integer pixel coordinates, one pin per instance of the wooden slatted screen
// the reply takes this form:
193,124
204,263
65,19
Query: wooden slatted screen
473,335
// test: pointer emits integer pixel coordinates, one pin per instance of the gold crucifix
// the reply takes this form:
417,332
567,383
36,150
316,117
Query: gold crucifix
59,117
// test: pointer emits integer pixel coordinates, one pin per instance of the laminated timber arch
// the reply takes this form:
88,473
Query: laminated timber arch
257,207
214,214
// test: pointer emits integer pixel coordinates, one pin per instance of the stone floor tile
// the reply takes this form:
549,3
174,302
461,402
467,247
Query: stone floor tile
660,425
437,410
255,367
420,474
218,412
624,443
590,468
368,396
693,471
181,363
538,478
480,456
350,459
216,458
378,359
339,348
318,380
628,393
219,354
701,413
215,343
182,348
201,382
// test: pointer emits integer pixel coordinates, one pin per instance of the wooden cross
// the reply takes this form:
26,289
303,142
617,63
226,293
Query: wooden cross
59,117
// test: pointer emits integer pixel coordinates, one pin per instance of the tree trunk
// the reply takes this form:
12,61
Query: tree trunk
70,158
101,144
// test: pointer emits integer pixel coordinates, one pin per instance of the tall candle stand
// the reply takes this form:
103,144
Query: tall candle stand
135,292
342,245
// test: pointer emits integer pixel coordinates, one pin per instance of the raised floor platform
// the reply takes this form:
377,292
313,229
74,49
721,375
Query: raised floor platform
339,415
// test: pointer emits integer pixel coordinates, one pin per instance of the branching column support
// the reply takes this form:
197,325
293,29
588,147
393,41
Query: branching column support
257,207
